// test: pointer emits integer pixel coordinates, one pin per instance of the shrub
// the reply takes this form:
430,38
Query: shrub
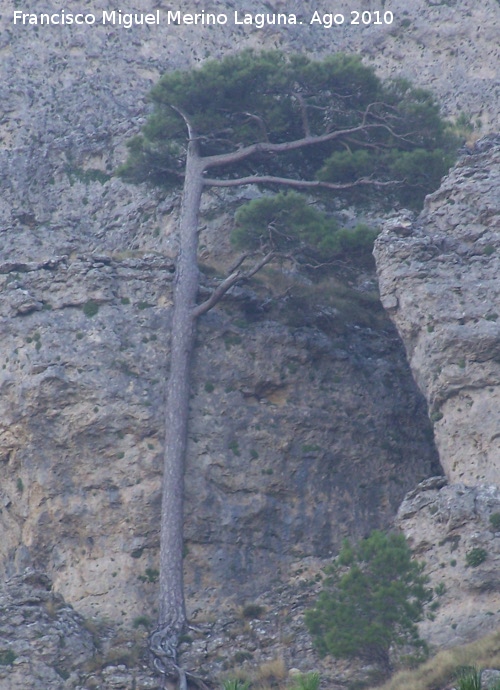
240,657
7,657
252,611
306,681
145,621
235,684
371,602
475,557
495,521
90,308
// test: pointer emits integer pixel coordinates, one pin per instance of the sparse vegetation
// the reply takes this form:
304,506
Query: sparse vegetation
475,557
252,611
306,681
90,308
234,446
86,175
272,672
235,684
145,621
469,679
442,669
241,657
7,657
150,575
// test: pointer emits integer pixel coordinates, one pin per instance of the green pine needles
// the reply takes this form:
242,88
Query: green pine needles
392,132
371,602
289,222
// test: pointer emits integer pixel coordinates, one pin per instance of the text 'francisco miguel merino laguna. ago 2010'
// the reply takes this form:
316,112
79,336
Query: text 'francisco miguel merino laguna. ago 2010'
128,20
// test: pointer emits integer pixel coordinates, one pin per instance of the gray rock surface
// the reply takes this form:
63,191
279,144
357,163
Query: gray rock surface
439,282
283,420
455,529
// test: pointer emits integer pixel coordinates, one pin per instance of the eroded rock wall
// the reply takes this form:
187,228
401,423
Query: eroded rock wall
299,436
438,278
439,282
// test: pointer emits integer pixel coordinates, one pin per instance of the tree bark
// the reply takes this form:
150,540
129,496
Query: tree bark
172,613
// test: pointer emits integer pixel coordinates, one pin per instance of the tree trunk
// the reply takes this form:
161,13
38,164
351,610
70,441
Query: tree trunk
172,614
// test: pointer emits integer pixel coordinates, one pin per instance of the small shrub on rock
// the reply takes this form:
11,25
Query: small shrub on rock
495,521
475,557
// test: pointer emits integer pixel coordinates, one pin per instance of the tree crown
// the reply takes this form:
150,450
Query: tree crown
371,602
344,123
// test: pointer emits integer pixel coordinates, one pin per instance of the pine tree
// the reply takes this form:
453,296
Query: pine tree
278,122
371,601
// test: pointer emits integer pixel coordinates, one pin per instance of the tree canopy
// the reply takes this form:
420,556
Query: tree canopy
331,121
371,601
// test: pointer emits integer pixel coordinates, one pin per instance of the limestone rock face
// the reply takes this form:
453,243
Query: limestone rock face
41,639
455,529
438,278
439,282
299,435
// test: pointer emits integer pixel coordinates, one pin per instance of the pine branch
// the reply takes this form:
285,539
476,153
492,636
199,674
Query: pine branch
223,159
235,277
298,184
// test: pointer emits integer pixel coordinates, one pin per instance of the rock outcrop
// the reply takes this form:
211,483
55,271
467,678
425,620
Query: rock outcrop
283,420
438,278
439,282
455,529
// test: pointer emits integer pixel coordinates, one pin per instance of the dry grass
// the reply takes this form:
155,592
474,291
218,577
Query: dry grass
272,672
440,670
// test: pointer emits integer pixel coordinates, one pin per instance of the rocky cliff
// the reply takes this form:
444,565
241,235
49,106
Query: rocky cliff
438,277
305,427
439,281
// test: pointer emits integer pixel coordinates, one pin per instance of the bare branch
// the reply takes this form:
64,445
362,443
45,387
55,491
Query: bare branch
189,127
222,159
298,184
303,114
240,260
260,123
235,277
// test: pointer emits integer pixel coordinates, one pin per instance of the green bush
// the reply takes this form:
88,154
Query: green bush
475,557
371,602
495,521
90,308
7,657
